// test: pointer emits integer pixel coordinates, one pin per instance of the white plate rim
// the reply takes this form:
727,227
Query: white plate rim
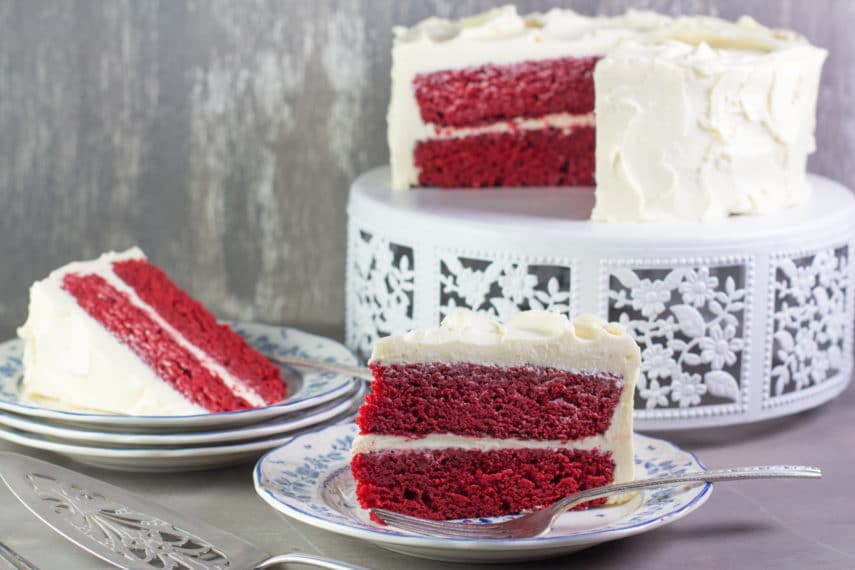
90,437
154,453
576,539
258,333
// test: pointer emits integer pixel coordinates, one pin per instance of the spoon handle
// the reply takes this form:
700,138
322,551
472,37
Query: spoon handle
334,367
307,560
708,476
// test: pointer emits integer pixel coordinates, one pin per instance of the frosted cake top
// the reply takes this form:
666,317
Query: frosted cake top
539,338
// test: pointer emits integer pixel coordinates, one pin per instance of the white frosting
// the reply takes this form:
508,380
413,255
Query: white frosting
500,36
538,338
690,131
72,362
617,440
562,121
696,118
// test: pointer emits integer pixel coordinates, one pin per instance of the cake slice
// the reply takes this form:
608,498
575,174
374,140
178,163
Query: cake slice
116,335
475,418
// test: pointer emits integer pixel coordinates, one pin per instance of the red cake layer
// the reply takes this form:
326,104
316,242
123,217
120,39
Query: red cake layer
490,93
173,363
201,328
544,157
524,402
457,483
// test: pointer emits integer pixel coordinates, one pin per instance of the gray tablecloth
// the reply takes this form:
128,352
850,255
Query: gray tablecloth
755,524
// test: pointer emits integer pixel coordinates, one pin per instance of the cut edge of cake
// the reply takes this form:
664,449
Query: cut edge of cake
585,346
548,134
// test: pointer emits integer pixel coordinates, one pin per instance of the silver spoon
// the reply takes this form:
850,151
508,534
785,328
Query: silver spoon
334,367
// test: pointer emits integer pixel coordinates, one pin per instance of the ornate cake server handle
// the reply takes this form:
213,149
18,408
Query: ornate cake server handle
130,531
334,367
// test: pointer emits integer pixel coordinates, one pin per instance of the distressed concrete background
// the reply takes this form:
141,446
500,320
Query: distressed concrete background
221,136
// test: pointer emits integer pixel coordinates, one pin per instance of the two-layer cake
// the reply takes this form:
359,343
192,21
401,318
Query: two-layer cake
476,418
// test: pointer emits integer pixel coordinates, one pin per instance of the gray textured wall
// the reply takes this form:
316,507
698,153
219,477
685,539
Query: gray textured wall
221,136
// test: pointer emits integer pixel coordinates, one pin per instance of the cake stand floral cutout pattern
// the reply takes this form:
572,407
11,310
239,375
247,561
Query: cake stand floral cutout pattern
382,276
502,288
690,325
809,320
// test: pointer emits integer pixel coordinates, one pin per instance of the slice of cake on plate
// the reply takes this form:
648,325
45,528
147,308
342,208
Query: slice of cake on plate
116,335
475,418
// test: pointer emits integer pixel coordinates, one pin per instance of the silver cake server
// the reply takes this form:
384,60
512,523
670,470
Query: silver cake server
130,531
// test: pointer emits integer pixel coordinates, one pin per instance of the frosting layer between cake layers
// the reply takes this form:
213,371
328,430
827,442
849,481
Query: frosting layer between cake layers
93,344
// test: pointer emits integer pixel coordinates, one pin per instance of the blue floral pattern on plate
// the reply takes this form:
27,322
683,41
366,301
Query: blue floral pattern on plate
308,478
306,388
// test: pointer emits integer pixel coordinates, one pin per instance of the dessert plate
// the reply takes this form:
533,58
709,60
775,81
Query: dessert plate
169,459
306,388
280,425
308,479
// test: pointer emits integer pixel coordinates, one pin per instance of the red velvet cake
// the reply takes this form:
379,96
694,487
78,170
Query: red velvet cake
500,99
116,335
556,96
673,118
475,419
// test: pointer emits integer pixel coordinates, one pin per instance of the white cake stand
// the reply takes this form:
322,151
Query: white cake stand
739,320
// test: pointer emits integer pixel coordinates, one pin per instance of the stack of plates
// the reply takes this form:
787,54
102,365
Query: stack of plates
184,443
